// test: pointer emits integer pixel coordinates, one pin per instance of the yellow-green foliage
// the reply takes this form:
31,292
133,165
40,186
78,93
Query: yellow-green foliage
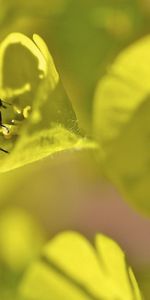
121,122
71,268
97,99
51,125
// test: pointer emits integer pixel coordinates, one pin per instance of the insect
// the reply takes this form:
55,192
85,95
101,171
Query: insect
3,105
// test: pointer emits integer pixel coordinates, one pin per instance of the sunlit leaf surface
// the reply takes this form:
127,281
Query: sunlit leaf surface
39,115
71,268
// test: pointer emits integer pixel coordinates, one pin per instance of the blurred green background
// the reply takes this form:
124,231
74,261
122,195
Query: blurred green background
66,191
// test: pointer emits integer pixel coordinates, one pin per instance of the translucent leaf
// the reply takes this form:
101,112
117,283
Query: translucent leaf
84,37
71,268
87,36
39,115
121,122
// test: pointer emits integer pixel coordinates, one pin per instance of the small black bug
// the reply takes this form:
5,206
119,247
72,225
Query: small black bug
3,105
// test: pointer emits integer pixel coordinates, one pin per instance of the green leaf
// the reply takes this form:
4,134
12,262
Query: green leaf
44,120
121,123
84,37
87,36
21,239
143,274
71,268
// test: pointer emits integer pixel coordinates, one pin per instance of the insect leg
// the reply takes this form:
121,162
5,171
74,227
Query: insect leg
4,103
1,124
5,151
1,149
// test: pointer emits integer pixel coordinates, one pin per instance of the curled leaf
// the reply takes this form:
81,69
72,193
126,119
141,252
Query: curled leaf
38,119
